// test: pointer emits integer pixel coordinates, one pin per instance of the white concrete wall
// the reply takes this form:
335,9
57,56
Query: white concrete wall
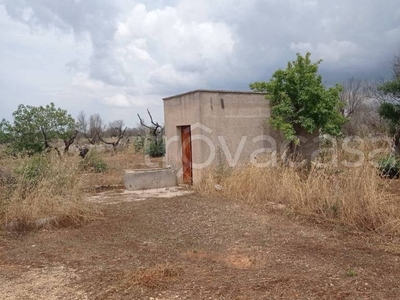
149,179
215,129
180,111
235,119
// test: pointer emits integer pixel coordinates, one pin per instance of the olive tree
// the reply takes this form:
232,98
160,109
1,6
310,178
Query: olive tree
116,131
35,128
90,128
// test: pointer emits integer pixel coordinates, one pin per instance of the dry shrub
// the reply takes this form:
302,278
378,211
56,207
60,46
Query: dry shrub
354,150
155,277
353,196
93,162
46,191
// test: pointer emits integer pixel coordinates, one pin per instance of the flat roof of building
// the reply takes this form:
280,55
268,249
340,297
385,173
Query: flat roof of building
213,91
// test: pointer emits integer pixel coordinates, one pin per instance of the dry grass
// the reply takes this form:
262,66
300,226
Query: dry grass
56,196
156,277
45,190
357,197
153,277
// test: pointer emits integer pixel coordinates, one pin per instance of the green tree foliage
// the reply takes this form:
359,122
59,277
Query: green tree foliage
156,148
391,87
390,111
4,132
300,100
35,128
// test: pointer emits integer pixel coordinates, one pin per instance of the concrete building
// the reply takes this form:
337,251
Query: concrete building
206,129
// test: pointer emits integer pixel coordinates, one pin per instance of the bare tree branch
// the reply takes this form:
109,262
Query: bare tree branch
92,140
68,142
47,146
82,122
115,143
143,123
151,119
157,129
115,128
353,94
396,66
375,93
90,129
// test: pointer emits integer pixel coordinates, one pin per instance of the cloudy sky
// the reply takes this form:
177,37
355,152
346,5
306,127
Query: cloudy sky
119,57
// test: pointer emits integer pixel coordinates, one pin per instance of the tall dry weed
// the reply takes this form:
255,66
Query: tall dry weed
357,197
46,190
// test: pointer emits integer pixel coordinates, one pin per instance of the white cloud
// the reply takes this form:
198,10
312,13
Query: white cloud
332,52
117,101
335,51
167,77
301,47
82,80
121,52
176,45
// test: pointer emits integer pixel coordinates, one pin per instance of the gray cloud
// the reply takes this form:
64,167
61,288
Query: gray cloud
93,18
129,54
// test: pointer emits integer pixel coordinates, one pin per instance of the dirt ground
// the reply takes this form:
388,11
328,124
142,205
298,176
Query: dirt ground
192,247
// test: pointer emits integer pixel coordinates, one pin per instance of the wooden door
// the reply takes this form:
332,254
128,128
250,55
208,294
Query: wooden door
186,139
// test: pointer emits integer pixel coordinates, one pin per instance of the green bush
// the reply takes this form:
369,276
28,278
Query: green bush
93,162
156,149
34,168
389,167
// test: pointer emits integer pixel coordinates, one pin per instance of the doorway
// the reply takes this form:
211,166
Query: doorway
186,139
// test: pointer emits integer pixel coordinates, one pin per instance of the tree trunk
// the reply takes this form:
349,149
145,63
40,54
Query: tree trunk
70,141
396,144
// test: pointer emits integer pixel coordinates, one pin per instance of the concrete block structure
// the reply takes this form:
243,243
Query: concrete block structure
205,129
149,179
